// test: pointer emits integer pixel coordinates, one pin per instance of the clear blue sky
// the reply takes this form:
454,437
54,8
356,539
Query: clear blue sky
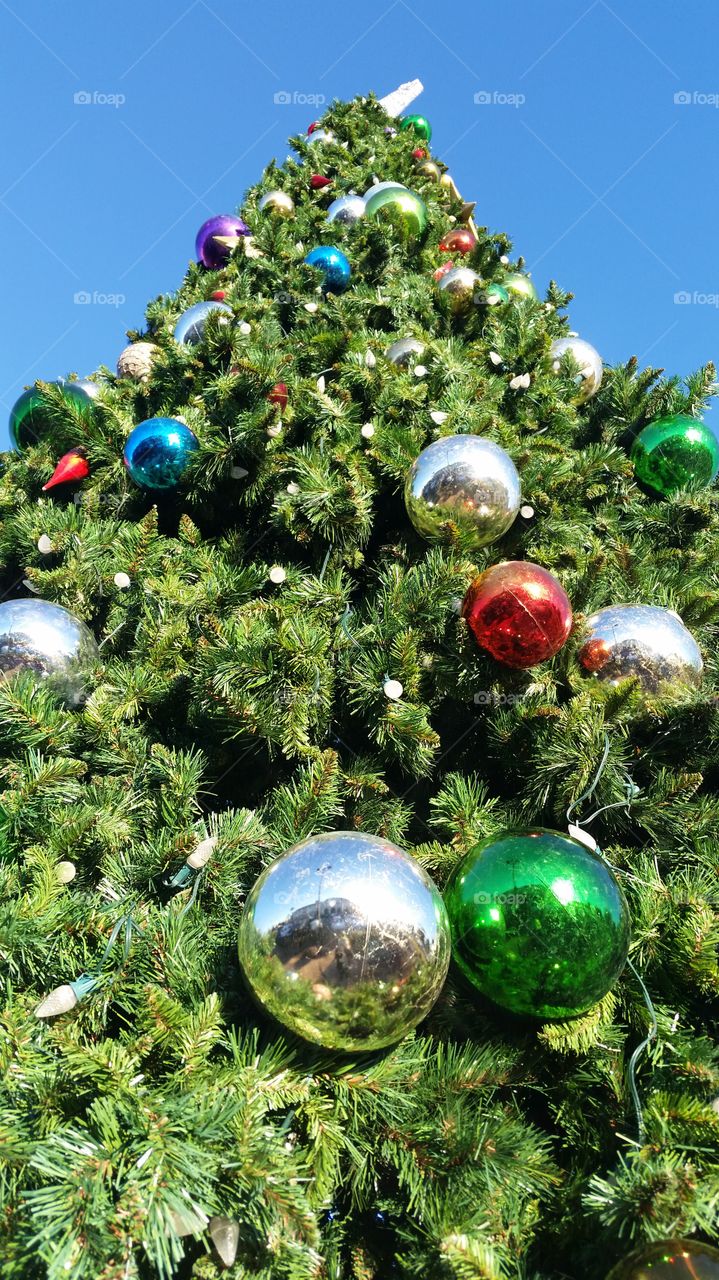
603,181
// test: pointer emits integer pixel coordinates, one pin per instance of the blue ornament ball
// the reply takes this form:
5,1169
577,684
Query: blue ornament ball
190,328
333,264
158,451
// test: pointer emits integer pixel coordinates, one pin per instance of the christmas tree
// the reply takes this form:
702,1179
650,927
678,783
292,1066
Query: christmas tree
322,544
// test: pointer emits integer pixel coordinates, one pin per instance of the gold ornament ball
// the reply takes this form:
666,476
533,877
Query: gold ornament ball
459,284
136,361
430,170
277,202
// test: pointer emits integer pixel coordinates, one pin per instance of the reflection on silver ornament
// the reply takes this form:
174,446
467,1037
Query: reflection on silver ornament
463,488
346,210
345,940
589,378
459,284
50,642
402,351
644,641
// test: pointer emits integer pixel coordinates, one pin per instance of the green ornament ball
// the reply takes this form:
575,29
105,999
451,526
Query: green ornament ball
669,1260
520,286
30,419
399,205
419,125
677,452
540,925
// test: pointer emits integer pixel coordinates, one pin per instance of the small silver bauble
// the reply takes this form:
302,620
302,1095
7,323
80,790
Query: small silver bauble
321,135
345,940
190,328
641,640
346,210
402,351
136,361
44,638
278,202
463,486
459,284
588,380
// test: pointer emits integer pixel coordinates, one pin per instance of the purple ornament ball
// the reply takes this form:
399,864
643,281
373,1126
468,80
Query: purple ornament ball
217,238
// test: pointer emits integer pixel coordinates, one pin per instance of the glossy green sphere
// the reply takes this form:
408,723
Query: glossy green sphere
678,452
669,1260
540,925
399,205
419,125
520,286
30,419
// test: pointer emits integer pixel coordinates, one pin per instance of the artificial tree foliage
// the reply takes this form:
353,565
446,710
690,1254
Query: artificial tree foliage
241,709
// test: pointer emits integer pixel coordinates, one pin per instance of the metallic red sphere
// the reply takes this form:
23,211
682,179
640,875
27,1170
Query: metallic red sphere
519,613
460,240
218,296
278,395
419,153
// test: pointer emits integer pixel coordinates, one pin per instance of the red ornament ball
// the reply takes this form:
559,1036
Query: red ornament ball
278,395
419,153
318,181
460,240
442,271
519,613
218,296
311,127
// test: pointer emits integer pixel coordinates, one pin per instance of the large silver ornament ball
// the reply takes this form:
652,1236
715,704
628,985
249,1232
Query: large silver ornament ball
403,350
462,486
136,361
48,640
345,941
346,210
589,378
459,285
641,640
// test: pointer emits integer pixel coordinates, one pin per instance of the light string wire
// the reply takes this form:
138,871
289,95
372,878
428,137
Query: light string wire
642,1047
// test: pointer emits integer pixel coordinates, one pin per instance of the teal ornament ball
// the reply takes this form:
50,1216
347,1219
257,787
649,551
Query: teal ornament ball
158,452
540,925
678,452
395,204
419,125
29,416
333,264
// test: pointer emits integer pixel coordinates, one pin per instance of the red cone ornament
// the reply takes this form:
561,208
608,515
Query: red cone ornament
318,181
72,466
